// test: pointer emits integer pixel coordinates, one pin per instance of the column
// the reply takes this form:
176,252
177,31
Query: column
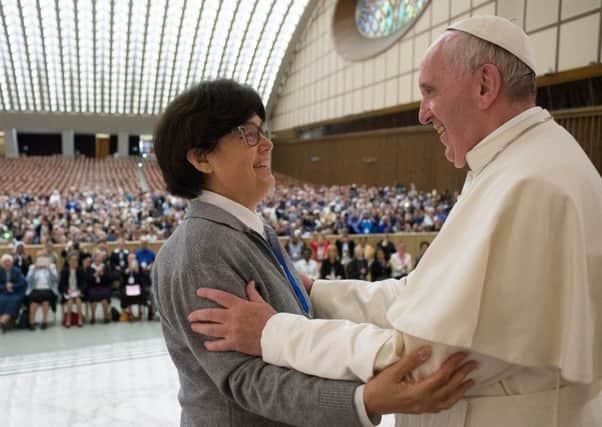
123,144
11,147
68,143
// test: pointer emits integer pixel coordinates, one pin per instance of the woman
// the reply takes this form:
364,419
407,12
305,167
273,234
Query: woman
212,149
380,269
132,291
319,245
99,287
21,259
358,267
42,288
72,287
401,262
331,267
12,290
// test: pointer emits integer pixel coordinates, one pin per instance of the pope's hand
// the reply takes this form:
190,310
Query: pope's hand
237,325
393,390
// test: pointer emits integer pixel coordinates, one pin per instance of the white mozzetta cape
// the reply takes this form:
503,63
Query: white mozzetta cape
516,272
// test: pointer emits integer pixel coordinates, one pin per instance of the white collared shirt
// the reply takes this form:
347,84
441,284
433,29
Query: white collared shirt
242,213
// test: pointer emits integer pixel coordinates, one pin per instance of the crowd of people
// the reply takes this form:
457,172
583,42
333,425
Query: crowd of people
347,258
85,278
103,215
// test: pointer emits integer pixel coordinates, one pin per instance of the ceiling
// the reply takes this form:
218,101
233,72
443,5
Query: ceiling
130,57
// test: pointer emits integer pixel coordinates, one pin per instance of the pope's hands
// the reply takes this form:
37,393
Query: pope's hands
393,390
237,325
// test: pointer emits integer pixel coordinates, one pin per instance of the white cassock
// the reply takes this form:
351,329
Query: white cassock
515,276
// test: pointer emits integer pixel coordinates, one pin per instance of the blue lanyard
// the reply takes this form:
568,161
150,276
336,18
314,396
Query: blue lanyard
275,246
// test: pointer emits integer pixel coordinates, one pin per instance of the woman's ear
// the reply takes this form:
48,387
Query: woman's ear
199,160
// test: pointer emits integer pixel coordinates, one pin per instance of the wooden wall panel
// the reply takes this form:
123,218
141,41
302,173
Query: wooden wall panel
585,124
405,155
373,158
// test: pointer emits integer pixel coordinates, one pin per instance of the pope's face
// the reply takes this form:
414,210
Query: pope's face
448,104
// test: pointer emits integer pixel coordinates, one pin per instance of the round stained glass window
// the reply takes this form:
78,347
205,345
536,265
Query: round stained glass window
377,19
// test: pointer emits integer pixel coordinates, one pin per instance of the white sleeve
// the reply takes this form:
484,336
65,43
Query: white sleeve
340,349
356,300
337,349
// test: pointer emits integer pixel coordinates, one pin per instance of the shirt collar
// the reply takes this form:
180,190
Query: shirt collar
482,153
240,212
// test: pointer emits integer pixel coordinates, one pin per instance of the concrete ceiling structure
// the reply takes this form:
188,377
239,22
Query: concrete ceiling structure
127,59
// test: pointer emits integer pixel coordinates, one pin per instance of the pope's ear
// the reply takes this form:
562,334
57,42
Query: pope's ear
198,160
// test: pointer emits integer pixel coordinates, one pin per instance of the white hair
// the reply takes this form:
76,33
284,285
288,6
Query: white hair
466,53
6,257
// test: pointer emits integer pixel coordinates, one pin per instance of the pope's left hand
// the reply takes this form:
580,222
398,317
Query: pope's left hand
237,325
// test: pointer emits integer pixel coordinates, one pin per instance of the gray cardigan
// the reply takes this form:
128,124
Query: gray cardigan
213,248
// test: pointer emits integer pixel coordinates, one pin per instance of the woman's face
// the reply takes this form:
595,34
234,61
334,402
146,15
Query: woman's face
240,172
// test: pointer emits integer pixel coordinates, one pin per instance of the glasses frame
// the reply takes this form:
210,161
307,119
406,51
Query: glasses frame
242,130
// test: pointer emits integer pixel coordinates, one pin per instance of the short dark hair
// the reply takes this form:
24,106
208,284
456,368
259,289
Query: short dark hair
198,118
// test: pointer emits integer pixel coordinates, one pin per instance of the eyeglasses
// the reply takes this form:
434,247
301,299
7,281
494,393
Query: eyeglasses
251,133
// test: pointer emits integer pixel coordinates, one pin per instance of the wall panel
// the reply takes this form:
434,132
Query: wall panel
374,158
411,154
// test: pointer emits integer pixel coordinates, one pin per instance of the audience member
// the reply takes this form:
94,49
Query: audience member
307,265
99,286
424,245
12,291
345,246
358,266
295,246
21,259
42,288
72,286
401,262
319,246
145,256
387,246
331,267
132,289
380,268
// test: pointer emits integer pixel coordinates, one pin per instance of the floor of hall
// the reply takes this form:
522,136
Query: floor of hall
116,375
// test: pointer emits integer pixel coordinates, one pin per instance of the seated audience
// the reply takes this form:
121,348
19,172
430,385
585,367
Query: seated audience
345,246
358,266
380,268
99,286
423,247
387,246
132,289
119,260
401,262
42,288
307,265
319,245
21,259
12,291
145,257
331,267
295,246
72,287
